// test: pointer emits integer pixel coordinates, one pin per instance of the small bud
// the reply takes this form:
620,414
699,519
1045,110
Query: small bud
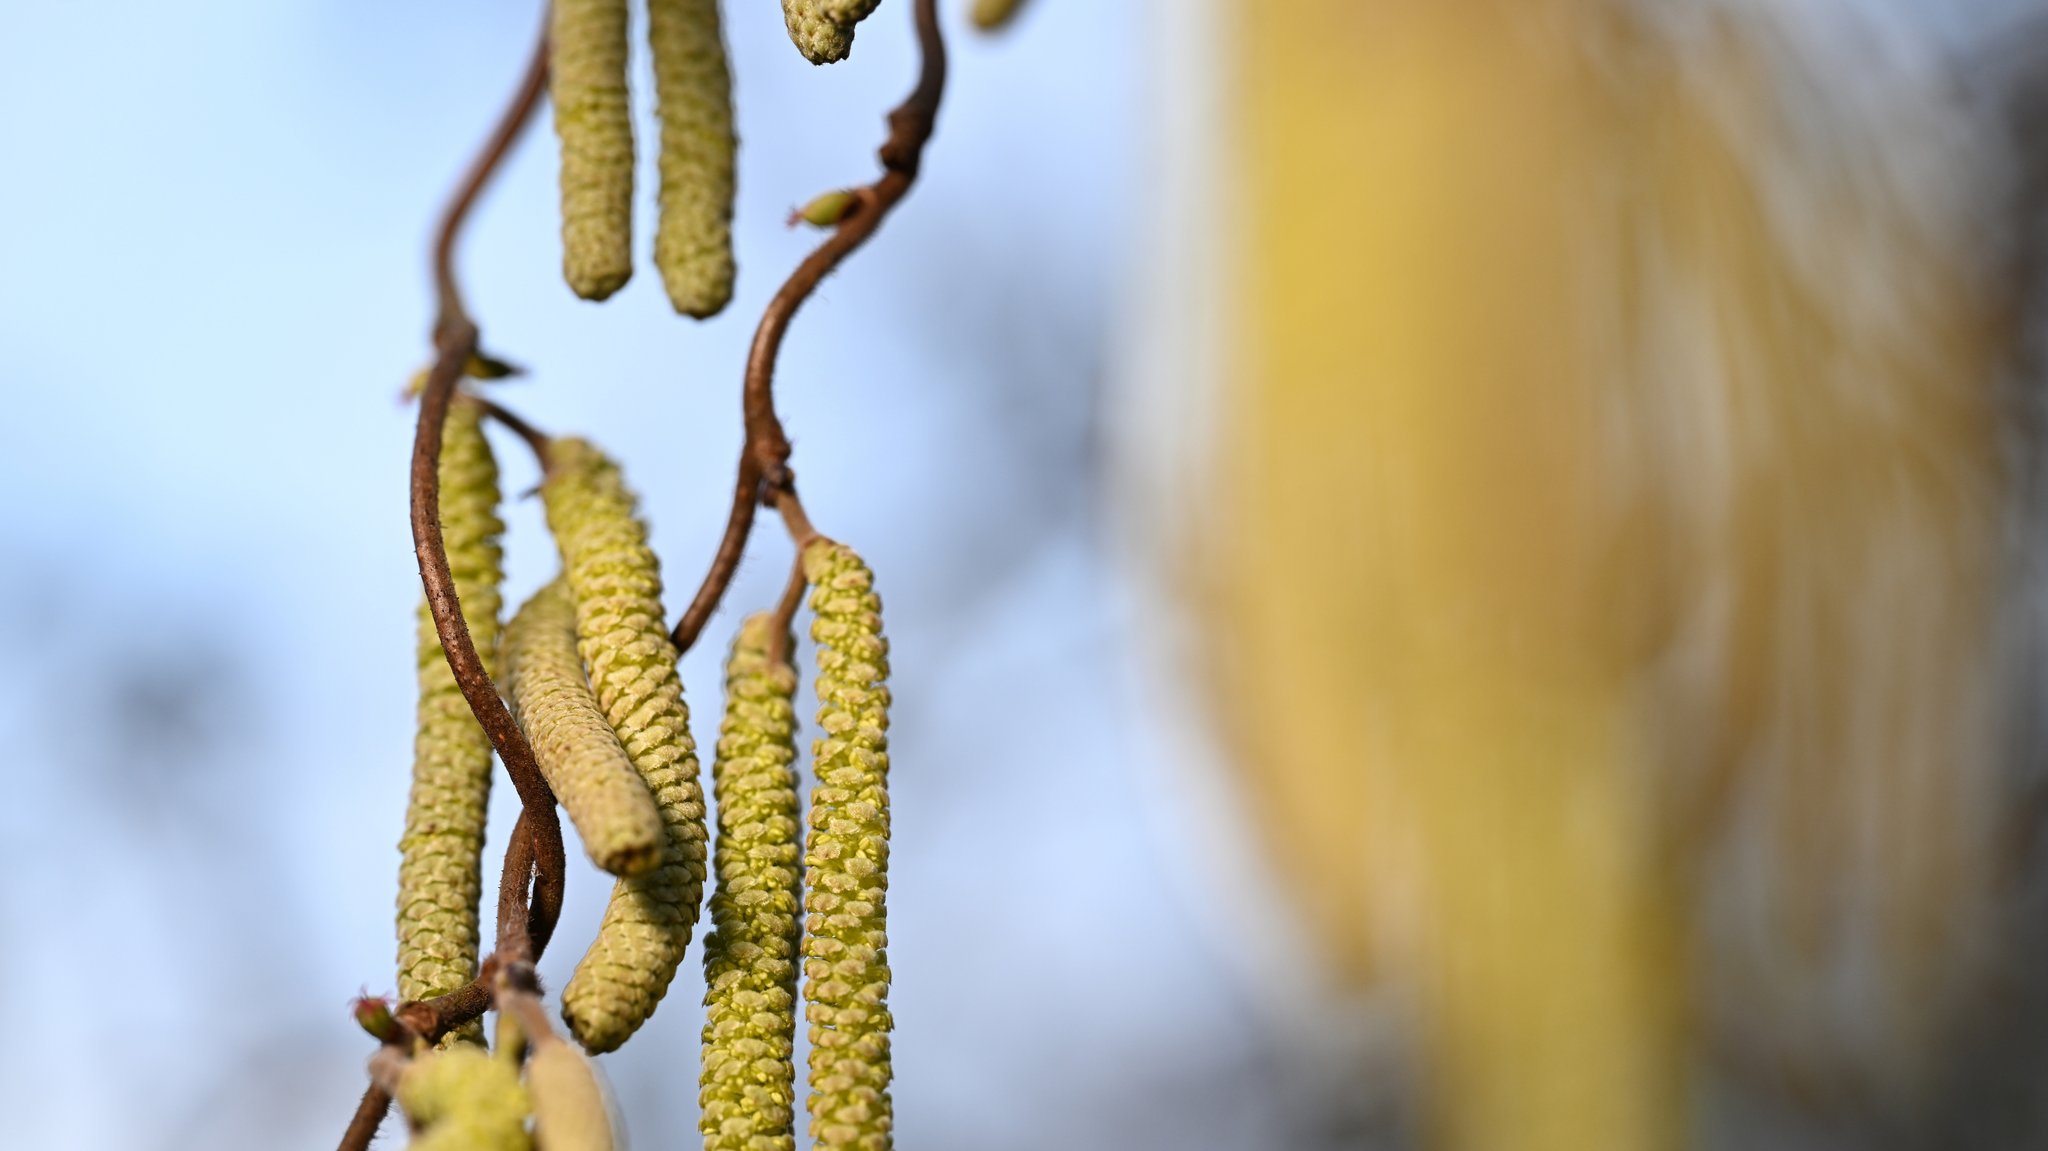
828,210
373,1014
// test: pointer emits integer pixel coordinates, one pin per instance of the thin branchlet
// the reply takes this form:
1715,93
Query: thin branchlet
763,473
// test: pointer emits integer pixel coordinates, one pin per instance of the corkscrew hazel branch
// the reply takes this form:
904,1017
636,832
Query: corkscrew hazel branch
535,850
764,474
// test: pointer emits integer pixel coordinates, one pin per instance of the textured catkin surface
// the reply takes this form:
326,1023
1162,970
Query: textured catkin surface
846,857
693,96
573,742
569,1108
616,584
821,38
593,118
464,1100
748,1082
439,872
847,12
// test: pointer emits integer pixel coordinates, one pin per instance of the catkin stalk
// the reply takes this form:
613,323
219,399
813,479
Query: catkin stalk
623,639
748,1082
574,744
820,37
440,870
462,1099
846,973
593,118
693,97
569,1108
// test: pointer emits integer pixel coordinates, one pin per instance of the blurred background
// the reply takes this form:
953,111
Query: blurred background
1461,575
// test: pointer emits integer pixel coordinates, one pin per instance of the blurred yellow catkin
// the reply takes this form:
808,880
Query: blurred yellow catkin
1608,486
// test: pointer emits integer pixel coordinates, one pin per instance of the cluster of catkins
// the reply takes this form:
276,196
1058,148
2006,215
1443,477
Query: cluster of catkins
589,669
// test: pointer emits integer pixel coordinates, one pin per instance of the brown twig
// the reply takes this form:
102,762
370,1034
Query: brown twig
534,853
512,422
369,1117
785,612
518,113
764,474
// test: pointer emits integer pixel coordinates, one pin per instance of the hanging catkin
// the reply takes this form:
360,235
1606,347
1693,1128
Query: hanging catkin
462,1099
616,584
593,118
693,96
569,1108
575,746
821,38
748,1082
439,872
846,857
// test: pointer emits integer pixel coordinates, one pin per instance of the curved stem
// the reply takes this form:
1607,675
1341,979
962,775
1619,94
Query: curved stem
518,113
764,474
368,1118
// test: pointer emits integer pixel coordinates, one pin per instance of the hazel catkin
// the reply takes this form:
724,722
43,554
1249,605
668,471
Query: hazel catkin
570,1112
693,97
846,857
462,1099
440,869
748,1082
593,118
817,34
615,582
989,15
573,743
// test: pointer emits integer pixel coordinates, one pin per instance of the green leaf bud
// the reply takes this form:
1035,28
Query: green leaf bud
440,877
593,118
615,582
693,97
748,1081
574,744
846,858
827,210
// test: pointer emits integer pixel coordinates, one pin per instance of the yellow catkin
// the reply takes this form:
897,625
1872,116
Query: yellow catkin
820,37
569,1108
693,95
749,1083
846,973
573,742
462,1099
989,15
440,870
847,12
616,584
593,118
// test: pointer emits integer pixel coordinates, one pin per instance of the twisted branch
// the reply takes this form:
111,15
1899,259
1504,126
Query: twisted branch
764,474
